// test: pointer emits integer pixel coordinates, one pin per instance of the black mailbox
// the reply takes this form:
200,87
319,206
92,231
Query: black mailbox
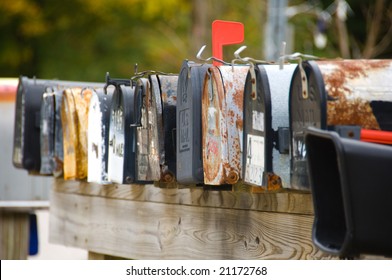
351,192
26,150
326,94
98,136
189,149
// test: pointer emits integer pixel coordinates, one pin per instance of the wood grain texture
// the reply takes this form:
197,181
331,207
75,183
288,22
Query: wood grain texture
284,202
150,230
14,235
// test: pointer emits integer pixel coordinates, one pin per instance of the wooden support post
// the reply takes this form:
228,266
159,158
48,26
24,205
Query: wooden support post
14,235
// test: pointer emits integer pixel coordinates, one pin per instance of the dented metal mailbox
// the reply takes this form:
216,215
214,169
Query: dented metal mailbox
156,158
266,126
222,124
98,136
327,94
124,118
189,148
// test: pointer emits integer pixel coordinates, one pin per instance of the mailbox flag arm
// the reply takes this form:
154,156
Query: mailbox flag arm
376,136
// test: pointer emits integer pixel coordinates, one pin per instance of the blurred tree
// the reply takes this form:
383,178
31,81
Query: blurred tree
362,29
83,39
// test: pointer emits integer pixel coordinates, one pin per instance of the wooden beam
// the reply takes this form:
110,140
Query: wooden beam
151,230
287,201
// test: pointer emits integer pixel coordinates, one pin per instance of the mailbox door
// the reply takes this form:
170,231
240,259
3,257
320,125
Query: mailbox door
116,139
307,107
222,124
58,159
234,83
257,155
279,82
189,148
70,136
168,85
47,132
147,167
122,136
215,154
155,124
98,131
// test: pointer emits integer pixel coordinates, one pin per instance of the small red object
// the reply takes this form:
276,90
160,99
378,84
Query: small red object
225,33
376,136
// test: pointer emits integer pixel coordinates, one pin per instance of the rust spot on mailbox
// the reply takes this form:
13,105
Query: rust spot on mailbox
351,86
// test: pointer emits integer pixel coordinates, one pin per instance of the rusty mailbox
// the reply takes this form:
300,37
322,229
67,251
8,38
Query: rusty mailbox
156,160
266,126
329,94
98,135
74,118
222,124
189,148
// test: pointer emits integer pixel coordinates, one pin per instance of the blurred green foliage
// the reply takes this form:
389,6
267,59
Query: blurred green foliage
84,39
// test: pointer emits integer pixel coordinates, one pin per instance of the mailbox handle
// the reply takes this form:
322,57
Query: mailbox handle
115,82
137,104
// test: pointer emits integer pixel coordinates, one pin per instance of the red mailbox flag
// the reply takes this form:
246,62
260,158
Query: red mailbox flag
225,33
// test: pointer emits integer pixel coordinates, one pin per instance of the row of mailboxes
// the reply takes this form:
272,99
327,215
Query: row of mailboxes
209,125
256,124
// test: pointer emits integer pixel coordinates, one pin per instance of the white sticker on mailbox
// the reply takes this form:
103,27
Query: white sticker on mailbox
258,120
254,160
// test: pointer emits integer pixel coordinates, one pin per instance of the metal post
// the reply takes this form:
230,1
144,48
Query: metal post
275,32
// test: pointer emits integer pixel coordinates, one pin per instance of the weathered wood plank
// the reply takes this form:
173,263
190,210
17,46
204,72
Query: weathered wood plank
284,202
150,230
14,235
